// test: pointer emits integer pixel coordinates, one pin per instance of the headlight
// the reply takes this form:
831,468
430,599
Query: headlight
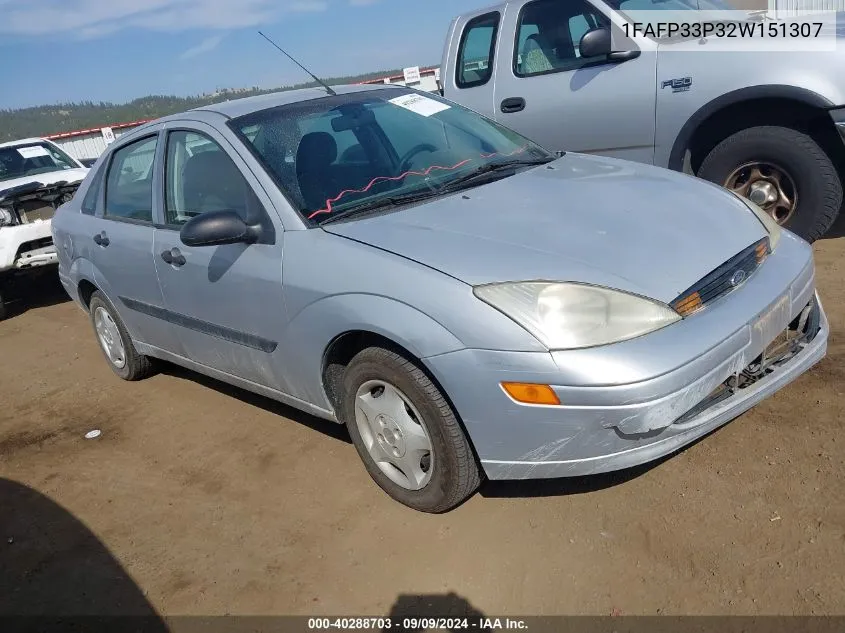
768,222
570,315
6,217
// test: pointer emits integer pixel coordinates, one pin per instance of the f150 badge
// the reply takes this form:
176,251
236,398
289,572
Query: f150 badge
682,84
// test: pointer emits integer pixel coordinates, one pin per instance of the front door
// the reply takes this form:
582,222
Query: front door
225,302
122,243
548,92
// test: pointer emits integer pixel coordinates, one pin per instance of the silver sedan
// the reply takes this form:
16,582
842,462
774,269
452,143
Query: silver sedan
465,302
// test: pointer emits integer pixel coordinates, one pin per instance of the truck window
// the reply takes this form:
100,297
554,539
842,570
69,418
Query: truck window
476,50
549,34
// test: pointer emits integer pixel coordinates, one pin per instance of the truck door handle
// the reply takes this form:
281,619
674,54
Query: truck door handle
513,104
174,257
101,239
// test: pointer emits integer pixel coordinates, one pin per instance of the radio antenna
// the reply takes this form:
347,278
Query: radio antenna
315,77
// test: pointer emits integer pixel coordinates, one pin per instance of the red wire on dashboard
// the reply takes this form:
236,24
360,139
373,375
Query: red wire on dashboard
331,201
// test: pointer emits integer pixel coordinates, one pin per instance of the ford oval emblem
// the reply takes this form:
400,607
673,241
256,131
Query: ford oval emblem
738,277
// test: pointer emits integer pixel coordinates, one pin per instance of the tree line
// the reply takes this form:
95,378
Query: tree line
66,117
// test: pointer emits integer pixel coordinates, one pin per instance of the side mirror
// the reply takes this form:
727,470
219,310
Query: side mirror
216,228
597,43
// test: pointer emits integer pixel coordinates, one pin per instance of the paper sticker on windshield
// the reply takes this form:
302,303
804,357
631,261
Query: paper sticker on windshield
420,104
33,151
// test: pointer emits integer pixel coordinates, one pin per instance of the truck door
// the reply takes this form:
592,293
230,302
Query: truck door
469,78
547,91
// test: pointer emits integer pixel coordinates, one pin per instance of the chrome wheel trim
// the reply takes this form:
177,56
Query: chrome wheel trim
768,186
394,434
109,337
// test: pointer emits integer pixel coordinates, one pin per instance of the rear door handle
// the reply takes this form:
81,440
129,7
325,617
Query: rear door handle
174,257
513,104
101,239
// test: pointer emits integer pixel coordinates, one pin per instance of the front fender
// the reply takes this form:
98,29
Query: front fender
750,93
309,334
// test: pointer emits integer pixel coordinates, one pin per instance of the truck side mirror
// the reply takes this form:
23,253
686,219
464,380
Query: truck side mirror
595,43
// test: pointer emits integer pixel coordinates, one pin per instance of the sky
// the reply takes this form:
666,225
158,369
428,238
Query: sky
58,51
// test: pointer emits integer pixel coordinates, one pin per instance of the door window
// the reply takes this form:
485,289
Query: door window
200,177
549,34
129,187
476,51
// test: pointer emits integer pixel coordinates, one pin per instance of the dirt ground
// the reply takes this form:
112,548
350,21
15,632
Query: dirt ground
199,498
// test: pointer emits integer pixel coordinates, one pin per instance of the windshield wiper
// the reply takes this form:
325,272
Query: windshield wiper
457,184
467,180
380,203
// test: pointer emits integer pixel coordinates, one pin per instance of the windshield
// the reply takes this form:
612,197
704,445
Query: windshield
31,159
353,151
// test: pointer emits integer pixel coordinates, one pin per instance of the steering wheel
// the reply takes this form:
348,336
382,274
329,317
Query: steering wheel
416,149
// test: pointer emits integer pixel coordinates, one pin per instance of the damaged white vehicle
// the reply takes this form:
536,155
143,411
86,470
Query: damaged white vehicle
36,177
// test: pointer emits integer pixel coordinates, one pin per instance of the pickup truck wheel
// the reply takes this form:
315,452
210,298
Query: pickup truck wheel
115,342
3,312
784,172
406,433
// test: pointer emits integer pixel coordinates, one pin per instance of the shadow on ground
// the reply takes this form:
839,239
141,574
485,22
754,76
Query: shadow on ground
326,427
56,574
22,293
430,606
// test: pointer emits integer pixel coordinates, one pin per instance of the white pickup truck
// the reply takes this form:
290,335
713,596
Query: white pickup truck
36,177
768,124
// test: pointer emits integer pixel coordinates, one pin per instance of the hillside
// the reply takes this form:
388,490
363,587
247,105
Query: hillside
65,117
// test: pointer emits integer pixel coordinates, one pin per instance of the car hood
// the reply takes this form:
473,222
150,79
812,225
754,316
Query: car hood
589,219
47,178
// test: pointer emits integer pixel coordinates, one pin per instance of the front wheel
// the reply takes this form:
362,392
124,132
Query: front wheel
784,172
406,432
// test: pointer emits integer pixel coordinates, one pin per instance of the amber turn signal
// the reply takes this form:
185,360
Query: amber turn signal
530,393
688,305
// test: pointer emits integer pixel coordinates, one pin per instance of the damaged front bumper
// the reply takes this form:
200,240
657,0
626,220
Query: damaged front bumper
28,243
633,402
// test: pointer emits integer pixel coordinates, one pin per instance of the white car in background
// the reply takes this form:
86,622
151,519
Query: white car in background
36,177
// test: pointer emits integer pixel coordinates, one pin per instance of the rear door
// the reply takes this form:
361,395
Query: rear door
547,91
122,242
225,302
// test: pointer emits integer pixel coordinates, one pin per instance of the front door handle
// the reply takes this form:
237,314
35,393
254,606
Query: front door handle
174,257
101,239
513,104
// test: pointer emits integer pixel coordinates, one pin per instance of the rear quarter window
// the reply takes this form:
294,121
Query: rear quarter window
92,195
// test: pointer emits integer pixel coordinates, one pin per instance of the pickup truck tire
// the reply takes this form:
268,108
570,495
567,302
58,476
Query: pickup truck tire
413,423
134,366
3,310
818,189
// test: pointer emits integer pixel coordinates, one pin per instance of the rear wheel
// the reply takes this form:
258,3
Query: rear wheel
3,309
784,172
406,433
115,342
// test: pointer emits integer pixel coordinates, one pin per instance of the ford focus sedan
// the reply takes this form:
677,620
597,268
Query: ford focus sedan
466,303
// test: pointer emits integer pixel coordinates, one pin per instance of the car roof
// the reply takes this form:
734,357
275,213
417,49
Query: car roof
248,105
23,141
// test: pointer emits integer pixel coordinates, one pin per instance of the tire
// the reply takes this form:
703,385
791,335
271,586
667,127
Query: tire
818,186
135,366
3,309
453,471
